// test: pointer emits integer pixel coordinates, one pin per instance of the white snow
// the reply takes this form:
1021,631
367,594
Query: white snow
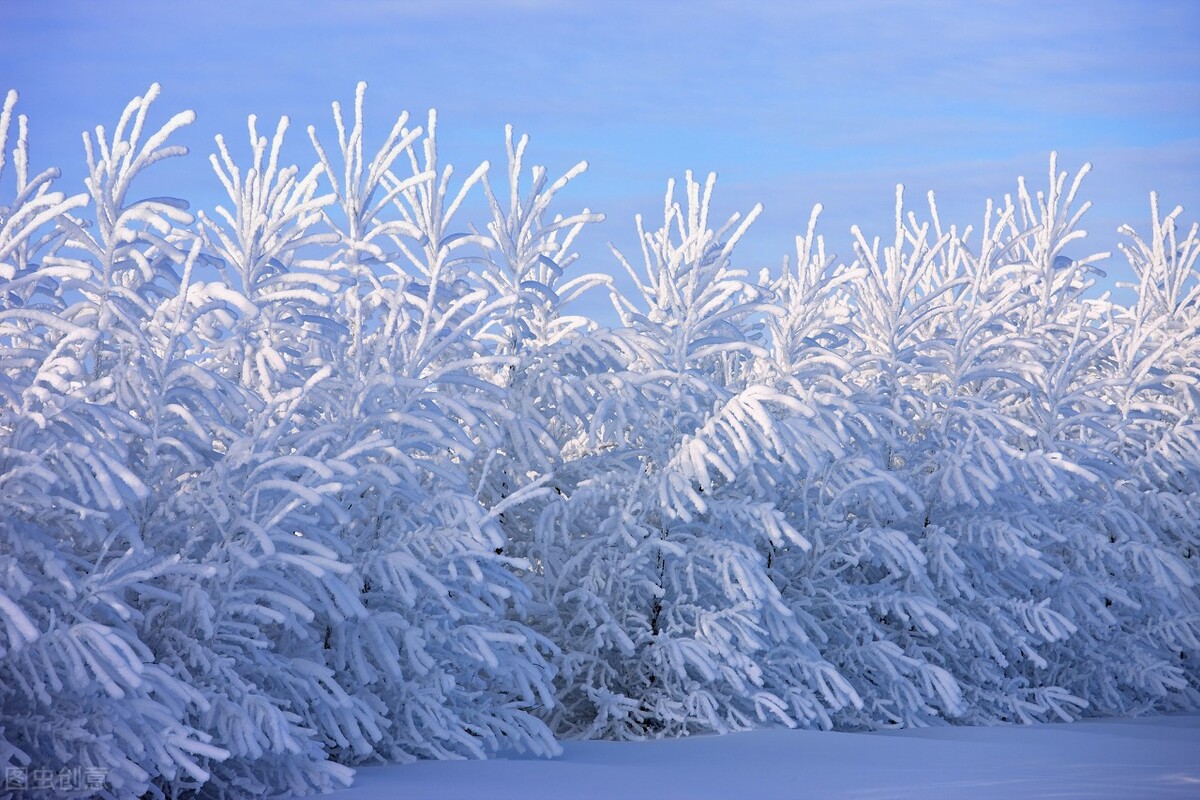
1157,757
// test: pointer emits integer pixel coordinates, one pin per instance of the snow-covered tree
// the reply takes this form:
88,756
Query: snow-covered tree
655,555
439,648
84,440
332,473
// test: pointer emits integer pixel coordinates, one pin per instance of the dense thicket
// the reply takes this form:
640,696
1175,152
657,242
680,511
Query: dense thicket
328,473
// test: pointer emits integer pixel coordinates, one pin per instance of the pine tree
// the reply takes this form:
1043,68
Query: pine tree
332,474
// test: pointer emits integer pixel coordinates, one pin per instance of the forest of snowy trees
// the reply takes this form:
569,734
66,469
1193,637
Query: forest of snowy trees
330,474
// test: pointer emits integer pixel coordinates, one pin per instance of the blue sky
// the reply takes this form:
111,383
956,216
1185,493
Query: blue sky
791,103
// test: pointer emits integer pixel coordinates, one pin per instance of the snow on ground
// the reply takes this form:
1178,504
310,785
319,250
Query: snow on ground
1114,758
